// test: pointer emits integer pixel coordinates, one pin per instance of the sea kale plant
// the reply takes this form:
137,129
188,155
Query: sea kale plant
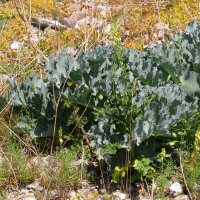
140,95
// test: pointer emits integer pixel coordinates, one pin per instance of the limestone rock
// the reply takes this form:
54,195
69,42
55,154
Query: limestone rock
15,45
176,189
119,195
35,186
182,197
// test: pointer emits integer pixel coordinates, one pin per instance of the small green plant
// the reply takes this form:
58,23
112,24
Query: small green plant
66,173
192,167
193,178
14,169
143,168
162,178
119,174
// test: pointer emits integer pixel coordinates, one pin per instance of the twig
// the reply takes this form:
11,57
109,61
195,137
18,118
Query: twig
22,141
86,139
184,179
147,185
186,8
28,28
152,188
82,157
11,167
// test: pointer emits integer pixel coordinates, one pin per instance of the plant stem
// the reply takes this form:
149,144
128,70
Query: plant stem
184,179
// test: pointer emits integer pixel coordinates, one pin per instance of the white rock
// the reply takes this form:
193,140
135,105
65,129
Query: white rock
71,51
24,191
72,194
122,196
35,186
82,161
149,46
29,198
127,33
106,29
3,78
16,45
83,22
23,194
35,37
161,26
103,13
119,195
182,197
145,198
176,189
52,194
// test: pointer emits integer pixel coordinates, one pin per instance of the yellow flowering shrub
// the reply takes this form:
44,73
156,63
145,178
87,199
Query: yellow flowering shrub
40,7
141,18
179,13
5,10
15,30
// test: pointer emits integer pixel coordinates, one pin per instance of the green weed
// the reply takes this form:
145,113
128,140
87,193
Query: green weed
3,195
193,178
66,173
162,178
14,168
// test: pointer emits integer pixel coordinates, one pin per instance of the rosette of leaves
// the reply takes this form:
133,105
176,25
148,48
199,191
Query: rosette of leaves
141,96
168,90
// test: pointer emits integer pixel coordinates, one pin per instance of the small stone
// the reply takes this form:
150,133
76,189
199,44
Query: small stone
71,22
24,191
119,195
29,198
35,186
103,13
59,4
176,189
182,197
3,78
161,26
106,29
145,198
72,195
16,45
122,196
82,161
52,194
83,22
127,33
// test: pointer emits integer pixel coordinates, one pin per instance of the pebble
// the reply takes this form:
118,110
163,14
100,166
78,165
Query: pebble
3,78
23,194
176,189
145,198
161,26
182,197
15,45
119,195
72,195
35,186
106,29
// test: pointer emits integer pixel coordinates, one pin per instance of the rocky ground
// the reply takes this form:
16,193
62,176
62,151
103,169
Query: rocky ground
35,190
